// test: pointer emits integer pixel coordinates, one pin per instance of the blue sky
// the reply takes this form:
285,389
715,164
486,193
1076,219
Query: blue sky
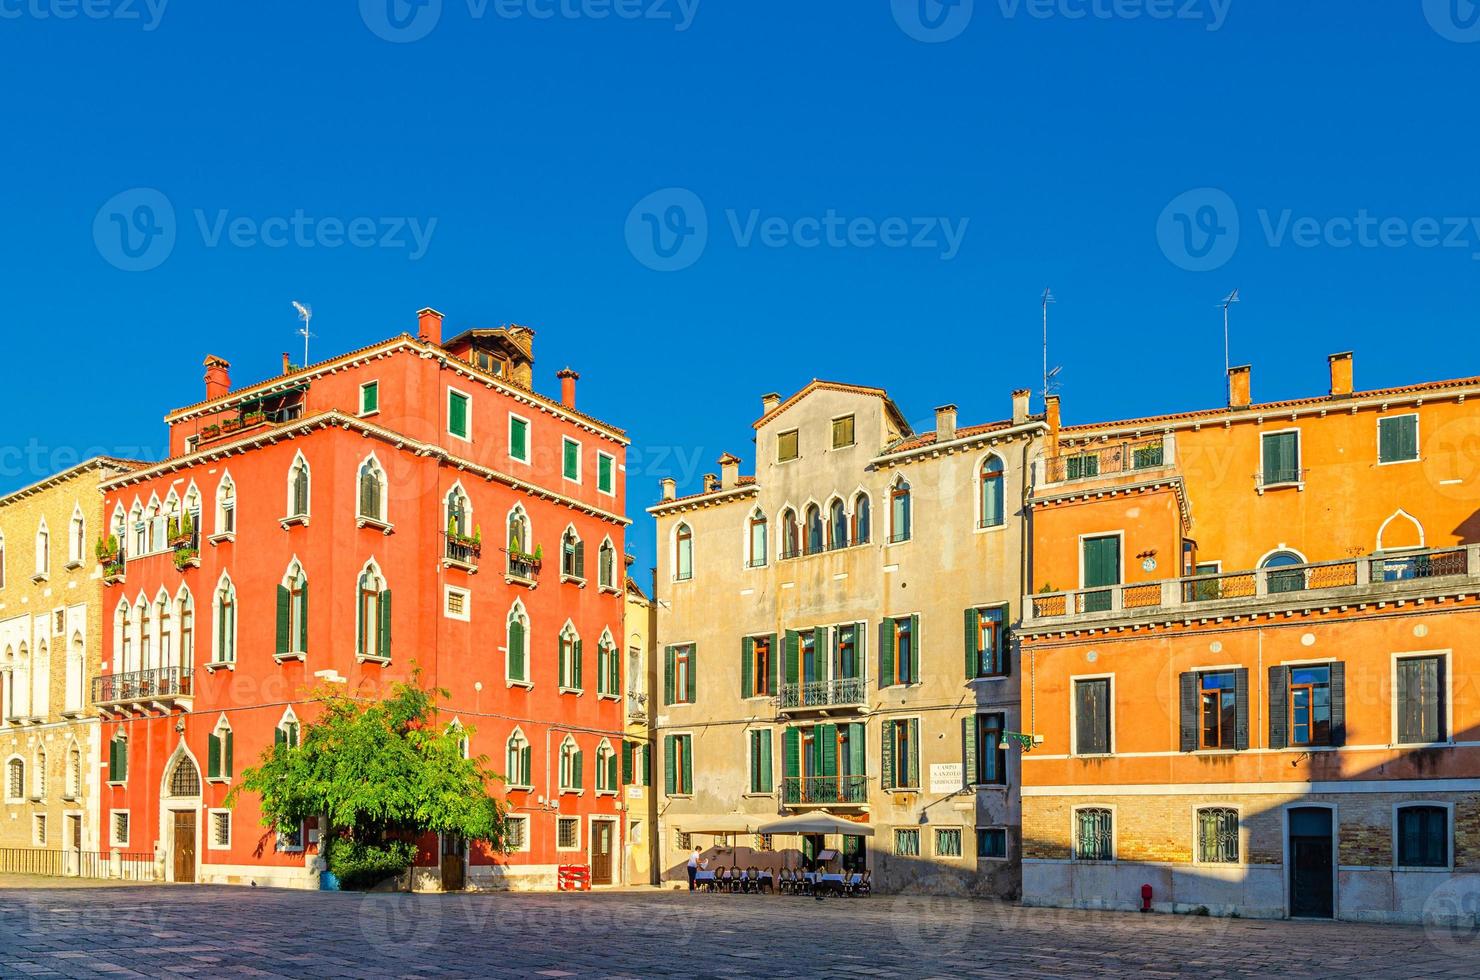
965,156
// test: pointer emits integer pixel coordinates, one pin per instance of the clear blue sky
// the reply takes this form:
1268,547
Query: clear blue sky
1058,139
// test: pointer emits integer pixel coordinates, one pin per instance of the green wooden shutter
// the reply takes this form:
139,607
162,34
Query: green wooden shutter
580,559
1279,707
370,397
578,769
693,670
857,749
791,753
1101,562
670,768
283,598
518,438
123,759
575,662
973,633
688,763
303,619
819,651
113,760
516,651
647,764
1241,708
886,652
627,748
457,414
1387,442
526,754
775,664
228,765
279,737
747,667
668,658
886,755
213,756
768,782
1338,703
914,760
860,648
968,750
1190,702
793,657
914,649
826,741
385,623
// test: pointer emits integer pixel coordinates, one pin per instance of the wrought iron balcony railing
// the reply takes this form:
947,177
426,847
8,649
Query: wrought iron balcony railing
823,790
821,694
462,552
1121,457
143,685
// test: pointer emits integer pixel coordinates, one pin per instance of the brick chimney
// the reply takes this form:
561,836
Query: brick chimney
218,377
568,379
1238,387
1020,402
287,363
945,423
429,326
1341,374
729,471
711,482
769,401
670,487
1051,415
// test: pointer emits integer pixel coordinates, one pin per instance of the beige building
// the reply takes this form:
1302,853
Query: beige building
641,803
50,646
835,635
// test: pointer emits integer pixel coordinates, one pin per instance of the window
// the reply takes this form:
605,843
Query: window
516,668
119,827
370,398
860,519
187,627
608,667
457,414
787,448
521,557
76,538
1092,716
907,842
572,764
757,539
991,493
516,833
118,759
2,561
900,759
842,432
220,839
899,656
948,842
637,767
292,612
1423,837
517,759
758,666
219,752
287,732
1217,710
15,780
290,838
606,469
225,622
572,556
985,758
1282,575
790,534
679,776
761,780
1397,439
39,834
678,674
373,616
1093,835
606,566
986,642
899,511
460,531
837,526
683,546
184,778
298,488
814,530
455,604
372,491
1217,835
1310,705
225,508
519,438
43,550
606,768
570,459
991,842
570,659
1099,569
1280,453
1420,707
568,833
72,787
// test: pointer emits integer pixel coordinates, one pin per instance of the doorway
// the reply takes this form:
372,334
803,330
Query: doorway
1099,570
184,837
454,863
603,843
1310,861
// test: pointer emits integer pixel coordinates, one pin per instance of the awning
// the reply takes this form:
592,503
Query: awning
815,823
716,825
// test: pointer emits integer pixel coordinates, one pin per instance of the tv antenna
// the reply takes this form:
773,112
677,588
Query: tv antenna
1228,301
305,313
1049,384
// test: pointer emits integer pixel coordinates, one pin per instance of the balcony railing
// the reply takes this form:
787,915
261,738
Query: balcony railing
1373,575
160,684
523,567
462,552
824,790
821,694
1109,460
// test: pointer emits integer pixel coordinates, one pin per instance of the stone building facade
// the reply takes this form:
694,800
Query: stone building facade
835,636
640,802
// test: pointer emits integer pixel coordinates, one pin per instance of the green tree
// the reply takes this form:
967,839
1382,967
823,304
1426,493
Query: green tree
381,773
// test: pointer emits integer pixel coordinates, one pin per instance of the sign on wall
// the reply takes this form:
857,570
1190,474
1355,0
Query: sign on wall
946,777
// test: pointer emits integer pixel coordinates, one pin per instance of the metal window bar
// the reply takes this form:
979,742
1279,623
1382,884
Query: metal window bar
1122,457
821,694
139,685
796,790
1435,564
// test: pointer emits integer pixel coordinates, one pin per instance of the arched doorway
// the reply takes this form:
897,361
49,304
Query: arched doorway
179,817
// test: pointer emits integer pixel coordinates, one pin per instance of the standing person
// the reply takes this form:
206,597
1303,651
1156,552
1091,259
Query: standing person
695,863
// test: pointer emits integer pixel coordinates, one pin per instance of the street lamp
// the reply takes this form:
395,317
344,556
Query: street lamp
1024,741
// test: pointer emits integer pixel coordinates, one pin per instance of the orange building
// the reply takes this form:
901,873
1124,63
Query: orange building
1249,656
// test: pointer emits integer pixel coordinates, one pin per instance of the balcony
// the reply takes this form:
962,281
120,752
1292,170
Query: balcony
845,692
523,568
1110,460
1370,578
824,790
161,688
462,552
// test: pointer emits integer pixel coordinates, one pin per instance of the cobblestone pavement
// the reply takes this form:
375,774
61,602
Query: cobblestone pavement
205,931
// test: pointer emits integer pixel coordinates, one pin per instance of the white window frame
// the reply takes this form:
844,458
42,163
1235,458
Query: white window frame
1448,807
1243,829
361,411
283,848
75,559
568,816
522,742
467,597
522,819
1448,659
976,486
113,839
290,518
43,553
38,829
1074,680
519,611
1417,439
777,454
935,843
217,660
835,420
1120,574
452,393
1299,482
528,439
211,815
580,459
1006,843
612,490
604,750
1114,832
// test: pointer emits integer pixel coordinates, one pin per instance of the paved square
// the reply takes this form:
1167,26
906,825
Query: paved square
206,931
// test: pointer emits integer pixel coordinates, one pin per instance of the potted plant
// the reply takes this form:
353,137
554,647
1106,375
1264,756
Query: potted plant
211,431
252,418
187,557
182,531
107,549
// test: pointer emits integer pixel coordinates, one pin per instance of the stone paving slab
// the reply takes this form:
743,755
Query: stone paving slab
213,931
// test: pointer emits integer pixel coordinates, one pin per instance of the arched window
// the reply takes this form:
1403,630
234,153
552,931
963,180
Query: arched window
187,629
814,529
372,491
77,538
119,530
8,669
459,515
524,561
185,779
991,480
146,634
123,638
38,791
790,539
860,518
606,768
72,779
516,664
606,565
220,749
1282,577
165,627
76,674
140,530
158,523
683,565
298,487
517,759
226,505
43,550
899,511
225,615
292,613
373,615
570,658
40,675
15,780
608,666
572,556
837,525
571,764
287,732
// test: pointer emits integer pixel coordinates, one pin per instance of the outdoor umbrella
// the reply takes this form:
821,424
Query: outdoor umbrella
815,823
719,827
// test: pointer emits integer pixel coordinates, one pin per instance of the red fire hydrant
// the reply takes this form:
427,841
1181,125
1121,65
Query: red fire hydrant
1145,898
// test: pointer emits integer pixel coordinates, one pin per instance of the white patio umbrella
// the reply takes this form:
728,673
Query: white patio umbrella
815,823
724,827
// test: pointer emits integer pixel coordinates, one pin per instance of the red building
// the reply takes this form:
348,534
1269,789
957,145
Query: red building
410,503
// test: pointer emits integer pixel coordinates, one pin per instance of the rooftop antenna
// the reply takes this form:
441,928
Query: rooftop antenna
1049,384
1228,301
305,314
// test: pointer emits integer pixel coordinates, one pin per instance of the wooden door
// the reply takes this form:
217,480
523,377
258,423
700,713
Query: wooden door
453,869
601,852
1310,861
185,845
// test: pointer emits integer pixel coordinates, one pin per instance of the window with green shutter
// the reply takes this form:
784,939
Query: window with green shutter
1092,716
606,468
118,760
571,459
369,397
1397,439
457,413
519,438
678,776
986,642
760,761
1281,453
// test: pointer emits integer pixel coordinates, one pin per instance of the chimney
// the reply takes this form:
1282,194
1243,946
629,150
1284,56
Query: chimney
1051,414
1341,374
429,326
1020,401
218,377
729,471
568,379
670,487
1238,387
769,402
711,482
945,423
287,363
